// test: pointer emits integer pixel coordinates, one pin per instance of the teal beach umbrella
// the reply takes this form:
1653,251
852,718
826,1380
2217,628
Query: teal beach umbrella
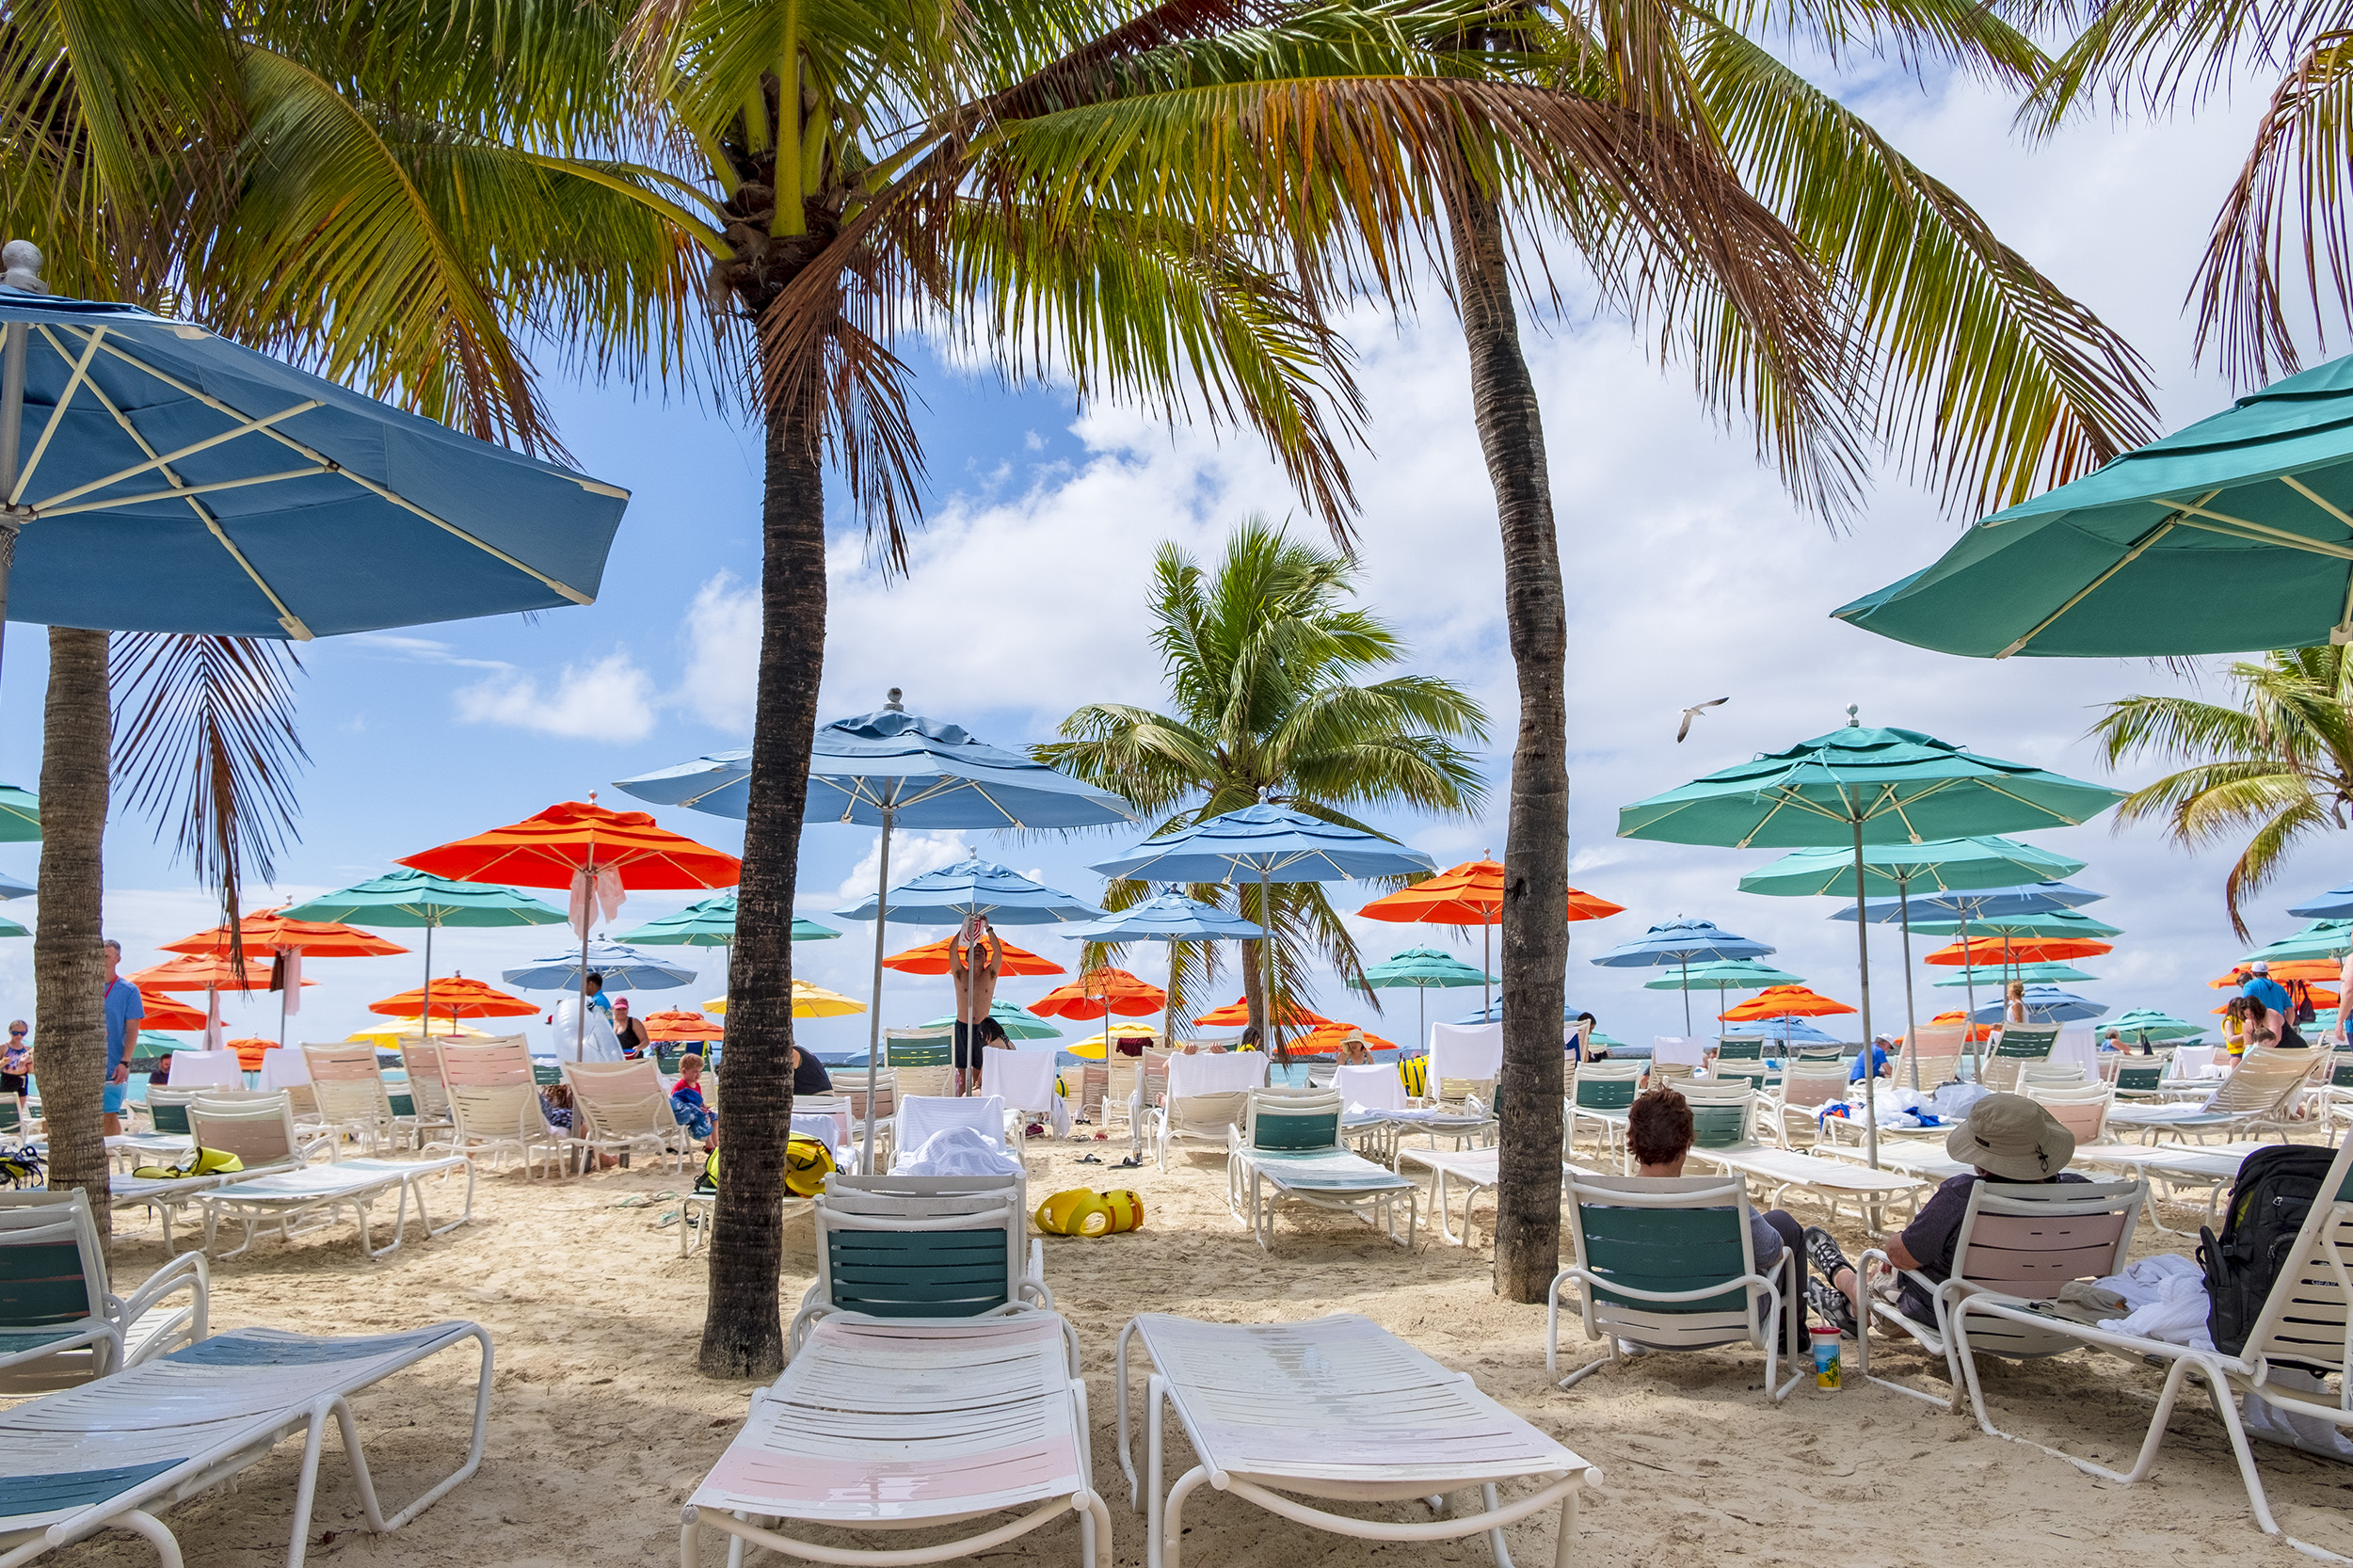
2320,939
2141,1025
20,816
2033,974
2227,536
711,923
1722,975
1020,1024
407,899
1862,787
1425,970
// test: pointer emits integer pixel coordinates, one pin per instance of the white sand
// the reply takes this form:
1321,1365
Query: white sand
600,1426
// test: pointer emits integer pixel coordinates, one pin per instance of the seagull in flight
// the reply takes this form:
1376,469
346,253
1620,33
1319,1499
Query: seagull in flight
1690,713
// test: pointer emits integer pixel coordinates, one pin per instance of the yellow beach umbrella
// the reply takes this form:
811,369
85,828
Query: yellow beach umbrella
1091,1047
391,1031
808,1002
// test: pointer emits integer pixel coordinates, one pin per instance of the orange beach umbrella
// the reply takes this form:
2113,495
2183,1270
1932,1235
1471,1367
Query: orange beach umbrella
675,1023
1237,1013
1785,1002
269,929
251,1050
165,1013
932,958
1326,1039
1472,894
2017,949
1094,992
455,997
2284,970
1975,1035
207,973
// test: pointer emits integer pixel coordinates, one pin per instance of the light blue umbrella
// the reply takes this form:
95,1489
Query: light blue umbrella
895,769
1172,918
10,888
1979,903
168,480
1492,1014
1266,844
624,968
974,887
1788,1031
2045,1004
1678,944
2334,904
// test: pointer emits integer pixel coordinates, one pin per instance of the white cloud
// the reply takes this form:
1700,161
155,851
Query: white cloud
420,650
722,636
912,853
609,699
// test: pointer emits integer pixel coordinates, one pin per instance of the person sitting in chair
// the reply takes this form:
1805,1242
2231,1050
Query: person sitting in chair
1659,1130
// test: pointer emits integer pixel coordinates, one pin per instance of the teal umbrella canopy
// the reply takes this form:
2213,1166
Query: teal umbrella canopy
1890,870
1898,785
711,923
2051,923
2153,1025
2320,939
1019,1023
413,898
2227,536
1426,967
1730,974
20,816
2033,974
10,928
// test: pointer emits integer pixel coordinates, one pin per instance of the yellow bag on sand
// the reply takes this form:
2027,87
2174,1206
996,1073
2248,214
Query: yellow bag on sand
203,1162
1080,1212
806,1163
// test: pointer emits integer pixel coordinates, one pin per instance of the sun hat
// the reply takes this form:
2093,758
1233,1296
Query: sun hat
2012,1137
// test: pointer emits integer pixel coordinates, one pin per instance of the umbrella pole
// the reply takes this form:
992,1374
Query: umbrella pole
1486,968
1863,956
1273,1044
1168,1020
17,338
425,1027
1969,987
1687,996
1912,1020
874,1017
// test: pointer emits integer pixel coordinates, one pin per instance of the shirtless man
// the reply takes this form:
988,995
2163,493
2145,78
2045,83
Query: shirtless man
975,954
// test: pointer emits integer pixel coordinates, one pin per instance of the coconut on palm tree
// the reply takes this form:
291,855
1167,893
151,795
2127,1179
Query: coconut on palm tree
2266,773
1280,689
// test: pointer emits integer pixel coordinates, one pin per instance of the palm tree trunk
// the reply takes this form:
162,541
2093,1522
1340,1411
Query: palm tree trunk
742,1325
69,970
1536,849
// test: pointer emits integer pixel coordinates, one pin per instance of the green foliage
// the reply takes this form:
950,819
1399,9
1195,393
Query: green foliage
2274,769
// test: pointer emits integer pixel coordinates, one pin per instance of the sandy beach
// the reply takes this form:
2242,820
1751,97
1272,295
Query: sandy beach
601,1427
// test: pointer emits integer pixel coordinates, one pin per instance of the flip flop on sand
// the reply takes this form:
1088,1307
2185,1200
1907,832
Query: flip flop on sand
1130,1163
645,1200
1088,1160
668,1219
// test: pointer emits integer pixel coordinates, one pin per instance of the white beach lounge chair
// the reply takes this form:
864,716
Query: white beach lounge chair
2259,1097
623,1107
924,1247
116,1454
1475,1171
1669,1264
1332,1408
348,1087
58,1320
259,1129
2175,1167
2303,1328
922,1116
427,1118
1025,1079
1775,1172
1806,1088
2082,1107
1289,1151
2018,1242
494,1103
1935,1052
881,1426
310,1197
1465,1061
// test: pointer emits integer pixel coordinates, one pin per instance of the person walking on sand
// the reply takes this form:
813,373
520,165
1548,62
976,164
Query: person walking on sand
16,1067
975,956
124,1007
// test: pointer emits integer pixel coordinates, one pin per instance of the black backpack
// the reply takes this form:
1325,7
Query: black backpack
2272,1194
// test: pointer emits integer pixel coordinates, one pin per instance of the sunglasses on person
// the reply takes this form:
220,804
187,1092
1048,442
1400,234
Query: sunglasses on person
16,1031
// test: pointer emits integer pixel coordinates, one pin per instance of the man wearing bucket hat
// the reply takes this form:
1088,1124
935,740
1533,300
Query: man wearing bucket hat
2008,1137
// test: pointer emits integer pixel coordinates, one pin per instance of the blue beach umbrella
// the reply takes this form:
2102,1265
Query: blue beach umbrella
1172,918
624,968
1492,1014
165,479
1679,944
975,887
2334,904
895,769
1977,903
2045,1004
1266,844
1788,1031
10,888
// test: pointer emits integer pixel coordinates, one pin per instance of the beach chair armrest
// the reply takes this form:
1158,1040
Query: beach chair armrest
189,1271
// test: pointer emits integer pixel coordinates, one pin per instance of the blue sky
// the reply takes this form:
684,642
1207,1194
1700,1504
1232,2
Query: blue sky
1690,575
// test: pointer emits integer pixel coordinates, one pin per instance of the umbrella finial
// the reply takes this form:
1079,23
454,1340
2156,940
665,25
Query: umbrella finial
22,259
890,702
1852,723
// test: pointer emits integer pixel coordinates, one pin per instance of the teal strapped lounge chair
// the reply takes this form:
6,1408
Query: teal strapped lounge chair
1288,1149
2020,1045
1666,1263
922,1247
54,1301
1601,1096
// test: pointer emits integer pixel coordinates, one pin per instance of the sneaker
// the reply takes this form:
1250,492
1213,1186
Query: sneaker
1822,1251
1830,1305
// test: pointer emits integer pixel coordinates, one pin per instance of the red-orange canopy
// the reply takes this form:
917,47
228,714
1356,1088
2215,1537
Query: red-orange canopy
2022,950
455,997
2284,970
1085,997
2321,996
269,929
546,850
207,973
932,958
1326,1039
1237,1013
1470,894
165,1013
1785,1002
249,1051
674,1023
1979,1032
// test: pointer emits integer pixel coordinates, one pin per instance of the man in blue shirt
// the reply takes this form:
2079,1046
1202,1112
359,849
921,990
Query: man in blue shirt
1878,1054
125,1007
2279,1019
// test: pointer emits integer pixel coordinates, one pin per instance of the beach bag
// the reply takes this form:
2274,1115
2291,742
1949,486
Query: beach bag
709,1181
806,1163
1080,1212
203,1162
1415,1070
2273,1194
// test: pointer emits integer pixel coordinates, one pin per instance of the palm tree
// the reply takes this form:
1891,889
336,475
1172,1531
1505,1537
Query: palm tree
388,198
1268,667
2274,768
1958,360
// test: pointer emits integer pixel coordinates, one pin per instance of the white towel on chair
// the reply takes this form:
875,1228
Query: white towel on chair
1473,1051
958,1151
